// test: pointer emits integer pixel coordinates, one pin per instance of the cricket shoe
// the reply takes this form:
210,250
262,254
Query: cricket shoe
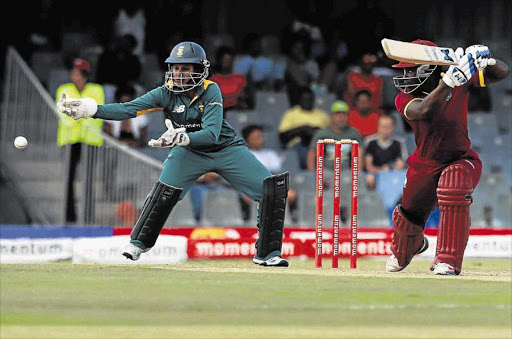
133,252
274,259
392,264
442,268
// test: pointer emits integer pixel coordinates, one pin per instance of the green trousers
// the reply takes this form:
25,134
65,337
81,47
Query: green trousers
236,164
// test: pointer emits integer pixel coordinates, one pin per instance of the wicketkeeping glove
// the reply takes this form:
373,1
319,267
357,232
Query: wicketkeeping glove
171,137
77,108
460,74
482,56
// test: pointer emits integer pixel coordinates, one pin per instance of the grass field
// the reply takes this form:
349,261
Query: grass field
236,299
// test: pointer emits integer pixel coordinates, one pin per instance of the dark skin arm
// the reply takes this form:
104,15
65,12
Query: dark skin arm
425,108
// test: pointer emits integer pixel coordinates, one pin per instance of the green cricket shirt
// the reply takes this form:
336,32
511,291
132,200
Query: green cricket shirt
202,115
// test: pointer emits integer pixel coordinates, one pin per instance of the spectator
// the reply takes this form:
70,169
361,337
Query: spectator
78,132
131,20
253,136
362,116
364,78
383,151
131,132
299,123
257,69
233,86
301,69
118,66
338,129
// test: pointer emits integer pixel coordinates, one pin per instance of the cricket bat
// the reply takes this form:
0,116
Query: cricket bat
418,54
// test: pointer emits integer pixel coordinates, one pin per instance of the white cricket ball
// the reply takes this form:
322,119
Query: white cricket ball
20,142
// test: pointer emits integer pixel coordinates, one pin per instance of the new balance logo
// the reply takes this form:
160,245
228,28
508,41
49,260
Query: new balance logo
178,109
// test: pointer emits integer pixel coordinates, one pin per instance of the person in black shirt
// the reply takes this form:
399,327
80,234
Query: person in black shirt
383,151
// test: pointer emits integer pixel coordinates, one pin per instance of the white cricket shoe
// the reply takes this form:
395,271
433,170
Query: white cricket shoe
133,252
392,264
273,259
442,268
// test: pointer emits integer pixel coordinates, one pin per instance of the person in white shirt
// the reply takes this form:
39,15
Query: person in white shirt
253,136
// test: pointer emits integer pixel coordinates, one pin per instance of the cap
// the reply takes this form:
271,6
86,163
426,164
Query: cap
339,106
82,65
403,64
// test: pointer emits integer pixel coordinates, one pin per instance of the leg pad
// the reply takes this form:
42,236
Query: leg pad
157,207
407,237
454,198
271,214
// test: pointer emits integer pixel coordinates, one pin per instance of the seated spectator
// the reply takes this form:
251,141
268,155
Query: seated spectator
233,86
338,129
301,70
362,116
257,69
364,78
383,151
253,136
131,132
299,123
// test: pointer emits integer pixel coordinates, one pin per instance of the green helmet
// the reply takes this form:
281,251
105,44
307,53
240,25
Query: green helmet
186,53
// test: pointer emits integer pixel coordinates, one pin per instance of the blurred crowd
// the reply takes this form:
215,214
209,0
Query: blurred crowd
304,61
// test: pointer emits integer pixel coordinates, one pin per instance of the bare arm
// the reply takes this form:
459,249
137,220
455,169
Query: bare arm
421,109
496,72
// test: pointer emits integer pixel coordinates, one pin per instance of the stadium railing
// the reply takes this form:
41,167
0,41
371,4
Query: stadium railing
112,180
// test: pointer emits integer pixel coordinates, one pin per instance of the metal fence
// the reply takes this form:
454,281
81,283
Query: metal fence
112,180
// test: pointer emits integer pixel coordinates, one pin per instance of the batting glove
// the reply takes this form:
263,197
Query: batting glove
482,56
459,53
171,137
77,108
460,74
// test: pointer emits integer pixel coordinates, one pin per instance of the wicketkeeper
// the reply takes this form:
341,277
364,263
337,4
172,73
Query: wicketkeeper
200,141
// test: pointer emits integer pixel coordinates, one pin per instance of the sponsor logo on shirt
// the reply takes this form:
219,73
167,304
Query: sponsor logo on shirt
178,109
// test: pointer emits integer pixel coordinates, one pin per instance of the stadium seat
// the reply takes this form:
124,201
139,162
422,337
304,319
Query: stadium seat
390,186
182,214
222,208
371,210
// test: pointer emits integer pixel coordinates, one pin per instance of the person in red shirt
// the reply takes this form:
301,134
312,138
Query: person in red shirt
232,85
443,170
364,78
363,117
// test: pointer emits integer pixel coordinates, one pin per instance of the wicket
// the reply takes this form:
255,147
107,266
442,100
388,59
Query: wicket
336,199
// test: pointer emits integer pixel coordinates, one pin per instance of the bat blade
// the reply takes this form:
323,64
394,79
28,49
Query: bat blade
418,54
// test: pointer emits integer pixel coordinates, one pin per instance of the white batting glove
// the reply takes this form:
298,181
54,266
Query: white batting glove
460,74
482,56
171,137
77,108
459,53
